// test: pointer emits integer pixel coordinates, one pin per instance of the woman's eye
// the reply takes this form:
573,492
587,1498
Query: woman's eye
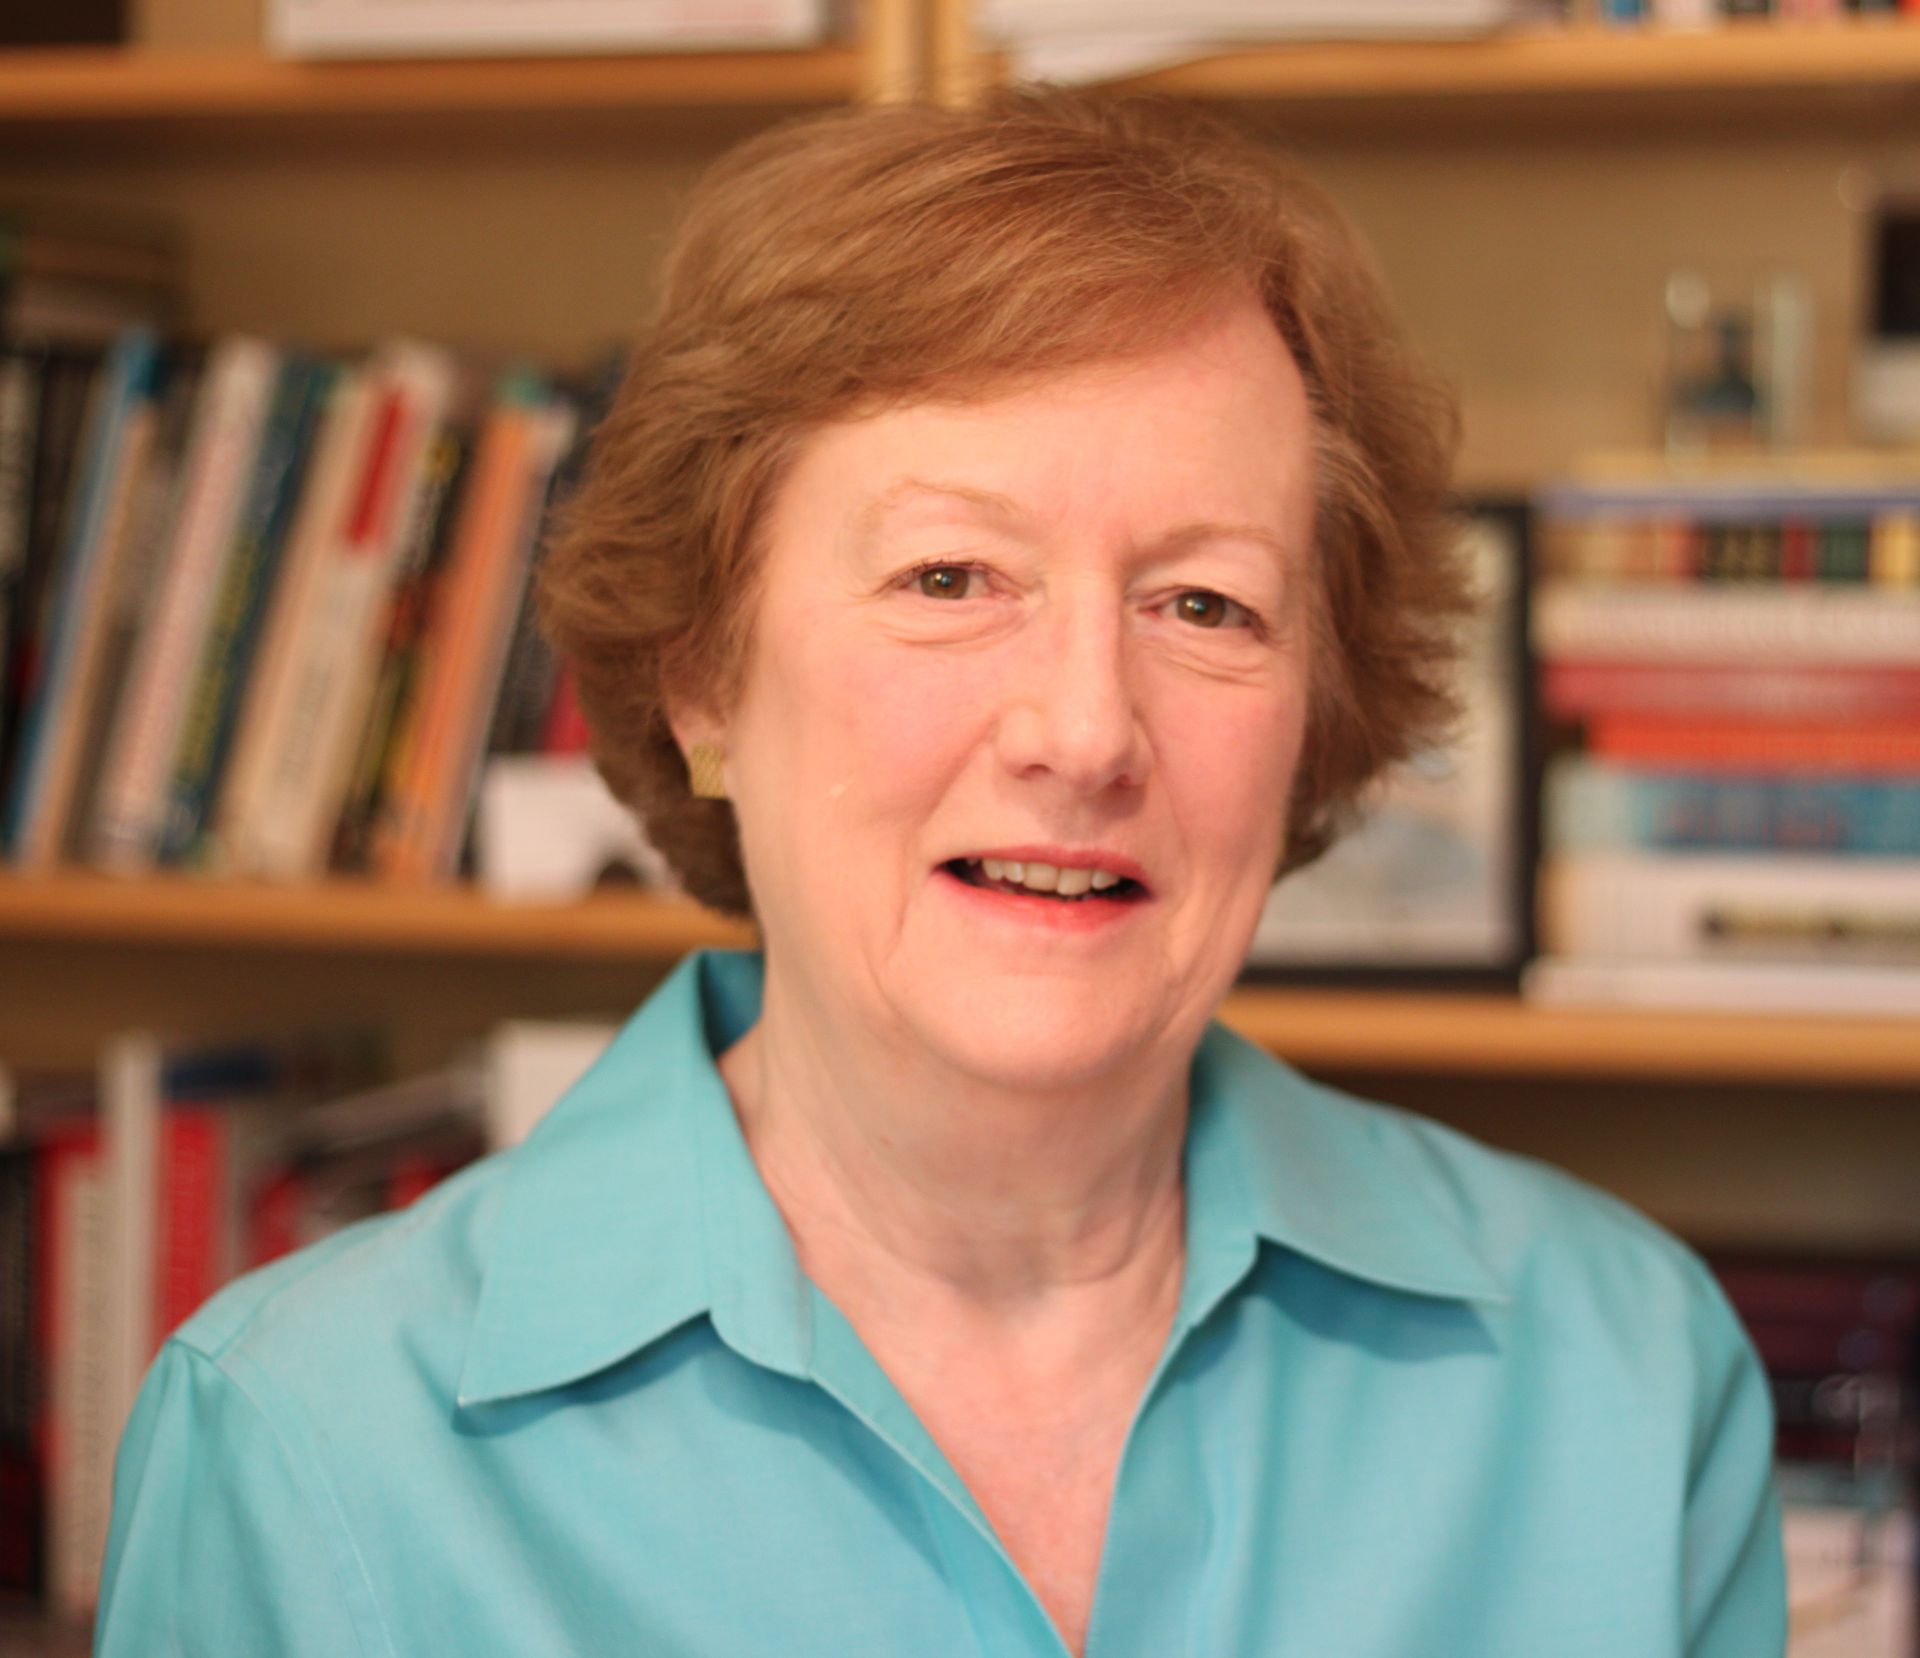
1207,609
944,581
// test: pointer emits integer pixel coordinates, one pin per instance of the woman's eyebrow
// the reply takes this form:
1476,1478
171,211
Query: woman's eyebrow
909,492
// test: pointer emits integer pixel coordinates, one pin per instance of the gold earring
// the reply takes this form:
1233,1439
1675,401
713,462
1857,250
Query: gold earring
703,771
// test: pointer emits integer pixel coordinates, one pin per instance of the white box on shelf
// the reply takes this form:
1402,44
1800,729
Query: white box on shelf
548,830
470,28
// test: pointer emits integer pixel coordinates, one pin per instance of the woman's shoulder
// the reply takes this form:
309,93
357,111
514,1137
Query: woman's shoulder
347,1304
1550,1239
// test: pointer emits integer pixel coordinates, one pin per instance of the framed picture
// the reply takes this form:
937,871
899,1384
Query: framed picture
1436,882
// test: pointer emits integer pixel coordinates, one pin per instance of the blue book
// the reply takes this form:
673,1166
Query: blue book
1596,807
129,374
260,535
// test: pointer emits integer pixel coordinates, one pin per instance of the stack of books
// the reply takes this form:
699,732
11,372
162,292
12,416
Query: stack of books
128,1194
267,611
1729,670
1840,1339
132,1191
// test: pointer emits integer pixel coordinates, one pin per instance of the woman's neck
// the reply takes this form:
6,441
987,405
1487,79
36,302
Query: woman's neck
906,1187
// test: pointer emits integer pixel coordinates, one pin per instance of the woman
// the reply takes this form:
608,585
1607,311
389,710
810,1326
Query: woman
1020,538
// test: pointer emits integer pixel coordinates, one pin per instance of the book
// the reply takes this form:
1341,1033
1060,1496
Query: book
130,811
265,713
239,603
1761,988
340,624
1880,747
1580,689
417,575
1710,906
472,612
19,425
1659,622
68,391
1592,806
48,708
77,722
78,1431
439,28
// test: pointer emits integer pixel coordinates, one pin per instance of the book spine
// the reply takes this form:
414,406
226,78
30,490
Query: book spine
403,653
192,1196
125,834
1592,807
489,511
19,421
1653,622
260,732
1889,747
21,1515
454,805
78,1429
127,374
239,604
1679,906
76,724
131,1092
69,388
1577,688
335,677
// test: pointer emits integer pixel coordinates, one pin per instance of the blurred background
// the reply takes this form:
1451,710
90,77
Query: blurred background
308,893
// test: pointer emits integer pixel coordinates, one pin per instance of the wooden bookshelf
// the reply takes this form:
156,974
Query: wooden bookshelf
1776,72
88,91
351,916
1336,1029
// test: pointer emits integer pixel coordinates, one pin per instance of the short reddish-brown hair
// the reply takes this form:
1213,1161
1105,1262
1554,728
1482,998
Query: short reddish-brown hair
883,255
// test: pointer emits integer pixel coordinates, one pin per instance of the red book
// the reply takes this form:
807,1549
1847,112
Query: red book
1578,688
566,731
1868,748
190,1260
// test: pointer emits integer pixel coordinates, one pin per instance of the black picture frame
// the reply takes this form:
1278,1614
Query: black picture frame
1477,931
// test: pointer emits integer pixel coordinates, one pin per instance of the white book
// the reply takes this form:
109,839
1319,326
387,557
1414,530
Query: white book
1239,19
1666,622
438,28
130,1103
265,709
1711,906
131,808
1757,987
335,653
80,1471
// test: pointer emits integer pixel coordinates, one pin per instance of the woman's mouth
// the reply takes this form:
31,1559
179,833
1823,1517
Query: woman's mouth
1048,881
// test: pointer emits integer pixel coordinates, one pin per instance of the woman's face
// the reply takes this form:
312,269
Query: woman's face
1063,626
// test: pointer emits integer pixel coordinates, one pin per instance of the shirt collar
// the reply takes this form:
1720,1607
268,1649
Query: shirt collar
634,1206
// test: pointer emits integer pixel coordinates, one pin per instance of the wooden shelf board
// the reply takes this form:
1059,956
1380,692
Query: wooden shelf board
82,88
358,916
1759,56
1343,1030
1502,1036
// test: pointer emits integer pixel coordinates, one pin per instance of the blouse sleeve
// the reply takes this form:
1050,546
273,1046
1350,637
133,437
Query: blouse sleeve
224,1538
1734,1570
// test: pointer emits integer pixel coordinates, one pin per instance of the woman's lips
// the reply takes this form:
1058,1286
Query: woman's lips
1093,913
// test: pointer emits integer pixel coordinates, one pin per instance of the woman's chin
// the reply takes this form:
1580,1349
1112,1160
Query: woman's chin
1028,1035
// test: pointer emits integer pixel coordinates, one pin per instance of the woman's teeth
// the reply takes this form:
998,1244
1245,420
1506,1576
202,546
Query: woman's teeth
1040,877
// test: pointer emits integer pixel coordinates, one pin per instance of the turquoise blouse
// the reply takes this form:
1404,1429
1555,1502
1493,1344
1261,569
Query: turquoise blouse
1421,1399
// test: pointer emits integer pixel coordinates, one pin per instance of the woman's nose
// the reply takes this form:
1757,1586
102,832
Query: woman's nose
1071,707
